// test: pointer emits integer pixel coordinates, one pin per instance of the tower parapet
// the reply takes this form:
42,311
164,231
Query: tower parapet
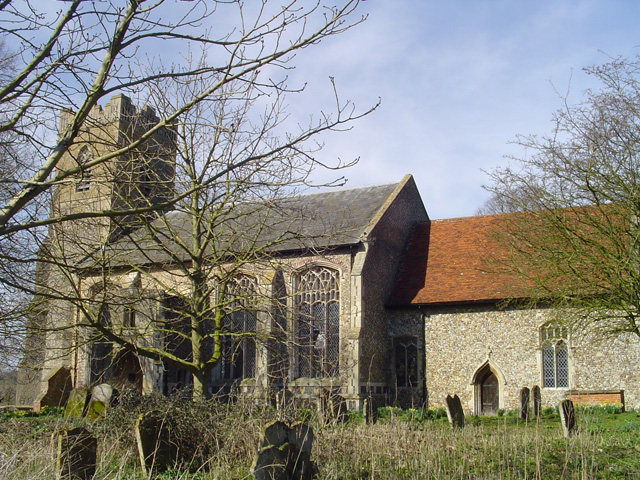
140,177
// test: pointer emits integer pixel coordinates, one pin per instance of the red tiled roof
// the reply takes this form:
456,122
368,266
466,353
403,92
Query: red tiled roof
444,262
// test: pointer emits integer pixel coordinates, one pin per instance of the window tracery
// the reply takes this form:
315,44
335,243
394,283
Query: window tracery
317,301
555,355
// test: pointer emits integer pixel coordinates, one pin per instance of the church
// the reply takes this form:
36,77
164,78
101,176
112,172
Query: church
365,297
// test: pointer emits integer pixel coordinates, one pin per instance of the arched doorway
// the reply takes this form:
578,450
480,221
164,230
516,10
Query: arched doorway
487,391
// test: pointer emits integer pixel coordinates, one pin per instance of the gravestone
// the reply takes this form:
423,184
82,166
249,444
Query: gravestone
156,450
270,464
537,400
275,433
524,403
284,453
455,414
567,417
76,459
58,389
100,399
301,435
76,403
369,412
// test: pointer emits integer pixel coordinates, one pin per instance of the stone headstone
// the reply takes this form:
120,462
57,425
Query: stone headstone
537,400
100,399
76,458
284,457
455,413
270,464
76,403
369,411
58,389
299,464
301,435
524,403
156,450
275,434
567,417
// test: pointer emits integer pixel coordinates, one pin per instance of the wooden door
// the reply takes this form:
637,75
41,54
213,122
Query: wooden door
489,394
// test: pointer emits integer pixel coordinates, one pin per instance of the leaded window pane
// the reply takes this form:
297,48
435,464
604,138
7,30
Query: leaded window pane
406,361
562,365
555,356
548,367
317,323
239,349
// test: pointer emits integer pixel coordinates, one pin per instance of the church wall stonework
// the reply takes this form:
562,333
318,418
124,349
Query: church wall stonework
385,244
461,340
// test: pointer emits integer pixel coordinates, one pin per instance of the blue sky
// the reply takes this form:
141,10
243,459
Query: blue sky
458,81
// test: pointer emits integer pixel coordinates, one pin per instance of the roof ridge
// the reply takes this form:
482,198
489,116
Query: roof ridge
342,189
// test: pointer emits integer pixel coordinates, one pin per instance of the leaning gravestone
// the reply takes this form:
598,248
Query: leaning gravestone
157,452
100,399
76,403
284,453
567,417
76,458
455,413
524,403
537,400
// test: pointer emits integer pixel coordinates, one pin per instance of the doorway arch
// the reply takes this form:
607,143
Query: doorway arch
488,384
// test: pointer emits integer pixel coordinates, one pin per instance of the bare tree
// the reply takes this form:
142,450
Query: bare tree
76,57
200,268
576,240
214,151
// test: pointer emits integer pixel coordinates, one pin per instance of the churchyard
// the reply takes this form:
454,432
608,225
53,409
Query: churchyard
220,440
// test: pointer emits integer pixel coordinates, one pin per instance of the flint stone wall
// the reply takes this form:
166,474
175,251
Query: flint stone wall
459,341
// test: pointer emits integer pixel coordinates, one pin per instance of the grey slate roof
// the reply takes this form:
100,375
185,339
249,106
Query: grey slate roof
309,221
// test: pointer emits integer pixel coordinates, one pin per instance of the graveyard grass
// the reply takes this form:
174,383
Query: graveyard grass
409,444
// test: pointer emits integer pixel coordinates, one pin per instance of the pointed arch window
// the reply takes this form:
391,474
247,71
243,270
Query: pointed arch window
555,355
241,321
406,361
317,302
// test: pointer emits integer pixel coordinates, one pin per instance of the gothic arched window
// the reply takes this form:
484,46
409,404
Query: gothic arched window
555,356
317,303
406,361
241,321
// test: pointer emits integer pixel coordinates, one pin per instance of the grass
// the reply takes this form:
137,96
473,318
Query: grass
413,444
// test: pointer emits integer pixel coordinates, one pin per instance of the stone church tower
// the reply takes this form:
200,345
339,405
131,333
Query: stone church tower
139,178
127,180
